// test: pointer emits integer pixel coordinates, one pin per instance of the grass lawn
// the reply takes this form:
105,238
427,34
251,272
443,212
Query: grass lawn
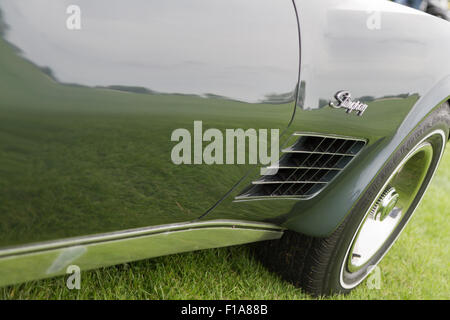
417,267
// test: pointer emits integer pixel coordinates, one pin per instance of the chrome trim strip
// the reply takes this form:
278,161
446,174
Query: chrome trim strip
269,197
305,168
290,150
335,136
258,182
50,259
124,234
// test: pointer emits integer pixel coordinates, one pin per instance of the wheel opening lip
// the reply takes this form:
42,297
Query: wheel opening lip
407,214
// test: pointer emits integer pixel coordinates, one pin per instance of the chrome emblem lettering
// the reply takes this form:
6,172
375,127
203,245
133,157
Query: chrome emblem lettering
344,100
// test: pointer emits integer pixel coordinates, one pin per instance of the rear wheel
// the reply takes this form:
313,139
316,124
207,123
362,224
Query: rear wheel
338,263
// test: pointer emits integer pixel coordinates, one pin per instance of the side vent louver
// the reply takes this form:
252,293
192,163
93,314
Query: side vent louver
306,167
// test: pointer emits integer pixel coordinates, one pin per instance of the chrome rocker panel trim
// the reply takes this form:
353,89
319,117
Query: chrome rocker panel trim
51,259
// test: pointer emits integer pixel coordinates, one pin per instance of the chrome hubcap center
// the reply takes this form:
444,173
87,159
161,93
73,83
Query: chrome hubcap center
385,204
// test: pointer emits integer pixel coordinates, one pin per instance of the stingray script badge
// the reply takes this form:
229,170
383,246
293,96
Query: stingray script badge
344,100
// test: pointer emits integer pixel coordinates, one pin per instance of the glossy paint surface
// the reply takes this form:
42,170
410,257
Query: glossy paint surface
389,56
87,115
86,119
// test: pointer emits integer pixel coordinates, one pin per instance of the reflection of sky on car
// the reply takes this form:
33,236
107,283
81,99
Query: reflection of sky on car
359,58
193,47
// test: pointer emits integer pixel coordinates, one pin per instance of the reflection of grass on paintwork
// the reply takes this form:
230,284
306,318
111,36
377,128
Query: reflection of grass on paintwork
417,267
77,160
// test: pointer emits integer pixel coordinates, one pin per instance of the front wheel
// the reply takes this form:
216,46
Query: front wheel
338,263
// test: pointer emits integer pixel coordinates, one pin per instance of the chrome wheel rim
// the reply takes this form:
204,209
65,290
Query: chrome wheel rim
391,206
391,209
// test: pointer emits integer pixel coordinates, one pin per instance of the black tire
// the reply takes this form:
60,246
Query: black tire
317,264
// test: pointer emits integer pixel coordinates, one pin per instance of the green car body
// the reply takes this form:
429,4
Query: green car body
86,118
